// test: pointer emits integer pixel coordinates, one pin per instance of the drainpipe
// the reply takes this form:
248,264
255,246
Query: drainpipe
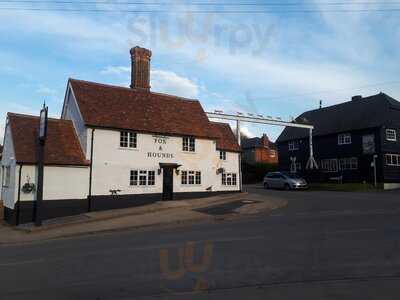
240,155
91,171
19,195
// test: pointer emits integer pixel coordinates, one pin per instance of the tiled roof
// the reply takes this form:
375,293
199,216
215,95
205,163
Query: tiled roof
62,145
226,139
363,113
140,110
256,142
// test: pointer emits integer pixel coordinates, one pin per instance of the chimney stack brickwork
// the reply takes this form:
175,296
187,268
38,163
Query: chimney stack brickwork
140,73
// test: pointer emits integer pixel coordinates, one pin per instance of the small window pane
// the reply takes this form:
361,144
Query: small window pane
123,142
395,160
151,178
185,144
134,177
142,177
184,177
191,177
222,155
132,140
198,177
191,144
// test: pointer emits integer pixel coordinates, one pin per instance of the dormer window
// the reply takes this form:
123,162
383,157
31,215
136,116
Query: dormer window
344,139
128,139
188,144
391,135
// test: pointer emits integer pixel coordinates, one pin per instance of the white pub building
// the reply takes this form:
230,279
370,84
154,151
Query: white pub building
116,147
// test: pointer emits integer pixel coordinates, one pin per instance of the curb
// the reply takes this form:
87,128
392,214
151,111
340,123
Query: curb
132,213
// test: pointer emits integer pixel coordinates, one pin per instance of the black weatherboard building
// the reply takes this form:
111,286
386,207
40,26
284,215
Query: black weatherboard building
347,138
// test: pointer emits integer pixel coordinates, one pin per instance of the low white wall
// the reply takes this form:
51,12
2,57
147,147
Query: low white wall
59,182
391,186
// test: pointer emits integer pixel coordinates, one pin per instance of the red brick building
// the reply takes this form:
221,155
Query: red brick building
259,150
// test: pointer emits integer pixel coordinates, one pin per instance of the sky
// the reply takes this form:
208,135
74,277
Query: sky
275,58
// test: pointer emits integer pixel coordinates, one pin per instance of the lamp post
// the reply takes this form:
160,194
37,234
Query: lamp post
40,168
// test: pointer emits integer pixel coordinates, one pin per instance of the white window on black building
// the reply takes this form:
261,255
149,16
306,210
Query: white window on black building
391,135
349,163
188,144
128,139
344,139
393,160
293,145
142,177
229,179
222,155
329,165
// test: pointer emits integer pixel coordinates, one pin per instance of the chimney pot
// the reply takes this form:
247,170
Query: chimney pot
140,72
356,97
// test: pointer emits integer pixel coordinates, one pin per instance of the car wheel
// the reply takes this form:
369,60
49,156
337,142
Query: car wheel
287,187
266,186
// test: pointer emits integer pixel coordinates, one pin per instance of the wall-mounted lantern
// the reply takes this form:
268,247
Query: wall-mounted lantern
220,170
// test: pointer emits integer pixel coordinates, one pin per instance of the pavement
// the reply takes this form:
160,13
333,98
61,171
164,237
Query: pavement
322,245
158,214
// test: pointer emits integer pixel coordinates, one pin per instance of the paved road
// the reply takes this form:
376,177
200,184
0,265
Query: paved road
324,245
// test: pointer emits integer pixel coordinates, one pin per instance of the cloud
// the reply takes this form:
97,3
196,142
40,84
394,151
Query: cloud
246,131
161,81
171,83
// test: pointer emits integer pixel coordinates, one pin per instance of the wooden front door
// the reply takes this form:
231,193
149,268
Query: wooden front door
168,183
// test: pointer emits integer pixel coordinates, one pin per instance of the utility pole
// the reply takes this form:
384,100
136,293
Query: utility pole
40,168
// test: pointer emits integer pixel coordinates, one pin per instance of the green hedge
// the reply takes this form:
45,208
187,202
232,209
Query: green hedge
255,173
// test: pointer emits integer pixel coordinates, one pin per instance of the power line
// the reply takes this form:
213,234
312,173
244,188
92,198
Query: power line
200,3
315,93
382,10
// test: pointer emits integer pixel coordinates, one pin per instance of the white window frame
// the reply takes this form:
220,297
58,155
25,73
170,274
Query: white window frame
348,163
344,139
142,178
127,139
7,176
222,155
293,145
190,177
392,160
229,179
391,135
330,165
188,144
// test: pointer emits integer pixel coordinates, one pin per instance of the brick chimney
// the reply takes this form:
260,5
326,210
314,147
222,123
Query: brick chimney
140,76
265,140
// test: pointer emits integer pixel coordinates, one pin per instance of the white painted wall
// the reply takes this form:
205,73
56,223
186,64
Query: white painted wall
391,186
8,193
59,182
112,164
71,112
